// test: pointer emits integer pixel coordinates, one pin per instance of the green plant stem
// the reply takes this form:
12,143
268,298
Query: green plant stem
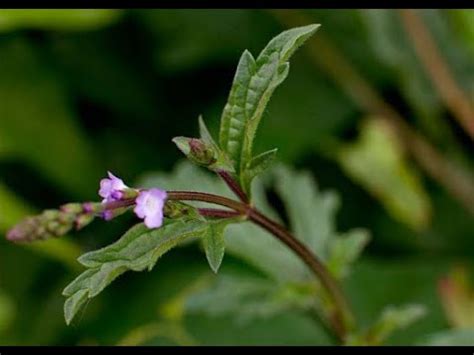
342,318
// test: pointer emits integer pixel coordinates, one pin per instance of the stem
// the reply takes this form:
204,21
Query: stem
438,69
213,212
343,314
209,198
342,317
233,186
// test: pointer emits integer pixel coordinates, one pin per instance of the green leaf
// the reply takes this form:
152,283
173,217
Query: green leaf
377,162
248,297
205,134
136,250
311,212
290,283
64,19
392,319
451,337
214,244
259,164
253,85
7,311
344,250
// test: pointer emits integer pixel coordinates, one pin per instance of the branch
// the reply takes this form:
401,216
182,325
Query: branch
438,70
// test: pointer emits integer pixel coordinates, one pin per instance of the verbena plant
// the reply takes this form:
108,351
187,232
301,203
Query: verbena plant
307,271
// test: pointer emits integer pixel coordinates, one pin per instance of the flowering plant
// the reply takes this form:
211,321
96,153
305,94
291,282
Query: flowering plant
171,217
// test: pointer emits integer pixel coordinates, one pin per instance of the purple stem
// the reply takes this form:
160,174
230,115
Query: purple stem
233,185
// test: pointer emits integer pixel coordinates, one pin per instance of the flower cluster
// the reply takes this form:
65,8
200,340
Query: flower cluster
149,203
54,223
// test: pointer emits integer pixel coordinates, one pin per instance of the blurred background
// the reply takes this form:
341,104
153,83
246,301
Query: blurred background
378,106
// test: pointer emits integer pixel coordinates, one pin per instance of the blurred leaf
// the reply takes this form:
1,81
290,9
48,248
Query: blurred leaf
44,131
312,217
377,162
145,334
391,319
11,207
136,250
243,112
311,212
344,250
464,20
64,19
453,337
390,45
457,296
7,312
247,298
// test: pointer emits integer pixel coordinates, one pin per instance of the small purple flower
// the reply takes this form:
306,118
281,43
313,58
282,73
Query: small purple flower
150,205
111,188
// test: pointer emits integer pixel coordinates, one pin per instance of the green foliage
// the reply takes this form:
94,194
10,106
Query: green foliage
46,126
293,288
7,312
453,337
391,319
377,162
254,82
77,19
137,250
214,244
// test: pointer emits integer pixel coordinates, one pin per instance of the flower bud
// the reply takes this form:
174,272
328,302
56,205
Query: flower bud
196,150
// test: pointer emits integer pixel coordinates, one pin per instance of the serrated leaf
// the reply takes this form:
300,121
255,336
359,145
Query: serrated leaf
311,212
137,250
253,85
258,164
214,244
290,285
344,250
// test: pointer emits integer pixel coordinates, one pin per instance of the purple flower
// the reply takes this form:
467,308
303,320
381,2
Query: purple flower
111,188
150,205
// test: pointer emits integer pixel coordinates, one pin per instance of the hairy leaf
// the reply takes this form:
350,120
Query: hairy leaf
137,250
254,82
214,244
